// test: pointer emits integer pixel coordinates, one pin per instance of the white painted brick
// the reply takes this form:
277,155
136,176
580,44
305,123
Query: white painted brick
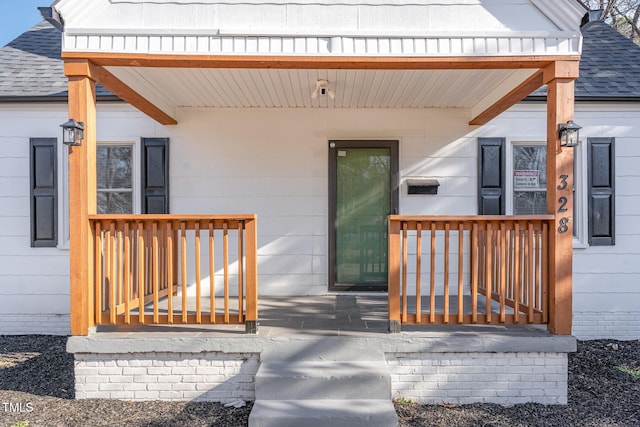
134,371
183,386
160,387
109,371
104,386
134,387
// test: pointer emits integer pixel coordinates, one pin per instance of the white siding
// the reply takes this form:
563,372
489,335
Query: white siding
275,163
34,282
606,279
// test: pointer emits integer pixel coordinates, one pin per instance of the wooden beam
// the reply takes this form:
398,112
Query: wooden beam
317,62
565,69
82,203
560,109
97,73
510,99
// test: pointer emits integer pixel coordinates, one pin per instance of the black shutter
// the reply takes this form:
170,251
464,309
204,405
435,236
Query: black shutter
601,164
491,170
43,162
155,175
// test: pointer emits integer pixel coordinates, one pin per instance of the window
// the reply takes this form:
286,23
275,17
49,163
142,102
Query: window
115,178
523,192
526,191
529,179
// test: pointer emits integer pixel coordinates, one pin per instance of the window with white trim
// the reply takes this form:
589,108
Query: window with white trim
526,187
115,166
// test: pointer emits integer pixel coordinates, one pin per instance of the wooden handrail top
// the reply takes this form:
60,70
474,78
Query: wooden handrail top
218,222
171,217
471,218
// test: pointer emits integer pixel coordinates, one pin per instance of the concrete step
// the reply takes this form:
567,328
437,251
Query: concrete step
326,348
322,380
323,413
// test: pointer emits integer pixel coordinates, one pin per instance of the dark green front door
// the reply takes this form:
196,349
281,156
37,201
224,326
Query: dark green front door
363,192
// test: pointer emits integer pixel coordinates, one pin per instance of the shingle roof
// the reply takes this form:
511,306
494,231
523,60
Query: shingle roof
609,67
610,64
31,67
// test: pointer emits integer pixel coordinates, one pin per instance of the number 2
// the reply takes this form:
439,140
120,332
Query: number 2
563,203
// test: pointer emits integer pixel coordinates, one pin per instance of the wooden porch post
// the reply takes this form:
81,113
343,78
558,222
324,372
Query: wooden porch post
82,197
251,315
559,78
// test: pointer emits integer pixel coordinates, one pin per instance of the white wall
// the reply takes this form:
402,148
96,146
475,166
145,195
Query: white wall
275,162
34,282
606,279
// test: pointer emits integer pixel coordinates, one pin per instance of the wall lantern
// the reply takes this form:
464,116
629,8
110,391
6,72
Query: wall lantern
72,132
569,134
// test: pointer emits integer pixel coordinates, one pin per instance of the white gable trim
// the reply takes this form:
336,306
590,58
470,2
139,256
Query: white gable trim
504,45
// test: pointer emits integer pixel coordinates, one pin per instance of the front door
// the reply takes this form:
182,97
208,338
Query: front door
363,190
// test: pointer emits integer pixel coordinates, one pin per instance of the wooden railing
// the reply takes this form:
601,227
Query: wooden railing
142,262
468,270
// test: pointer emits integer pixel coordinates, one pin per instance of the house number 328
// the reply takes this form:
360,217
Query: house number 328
564,221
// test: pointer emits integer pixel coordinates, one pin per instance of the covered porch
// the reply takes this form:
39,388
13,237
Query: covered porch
141,269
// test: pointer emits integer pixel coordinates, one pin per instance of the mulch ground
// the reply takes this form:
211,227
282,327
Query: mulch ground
36,389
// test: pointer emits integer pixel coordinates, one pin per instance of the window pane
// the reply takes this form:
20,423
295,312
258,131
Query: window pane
529,202
115,202
114,166
529,179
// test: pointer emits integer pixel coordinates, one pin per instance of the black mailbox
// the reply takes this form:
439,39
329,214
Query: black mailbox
422,186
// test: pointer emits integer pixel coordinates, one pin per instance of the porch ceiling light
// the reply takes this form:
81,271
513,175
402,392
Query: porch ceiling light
322,89
569,134
72,132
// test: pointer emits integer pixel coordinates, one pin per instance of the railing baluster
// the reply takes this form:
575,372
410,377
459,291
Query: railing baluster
460,272
169,272
98,273
517,273
488,271
127,273
446,272
432,276
141,271
531,273
475,272
538,267
225,260
198,290
212,278
404,272
154,252
545,272
112,275
183,269
240,271
418,272
503,270
118,264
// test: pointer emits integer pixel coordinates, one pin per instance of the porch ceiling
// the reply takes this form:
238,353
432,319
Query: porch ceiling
172,88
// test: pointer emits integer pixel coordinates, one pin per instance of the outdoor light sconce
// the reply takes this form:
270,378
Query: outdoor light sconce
72,133
322,89
569,134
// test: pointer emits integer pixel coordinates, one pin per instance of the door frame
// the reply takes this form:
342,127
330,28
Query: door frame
334,145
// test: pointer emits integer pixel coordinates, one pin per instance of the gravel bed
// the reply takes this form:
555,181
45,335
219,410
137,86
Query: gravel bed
36,376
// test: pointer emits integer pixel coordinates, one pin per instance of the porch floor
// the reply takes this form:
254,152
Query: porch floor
326,315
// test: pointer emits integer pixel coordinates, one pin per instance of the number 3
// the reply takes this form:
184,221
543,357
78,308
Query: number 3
563,182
